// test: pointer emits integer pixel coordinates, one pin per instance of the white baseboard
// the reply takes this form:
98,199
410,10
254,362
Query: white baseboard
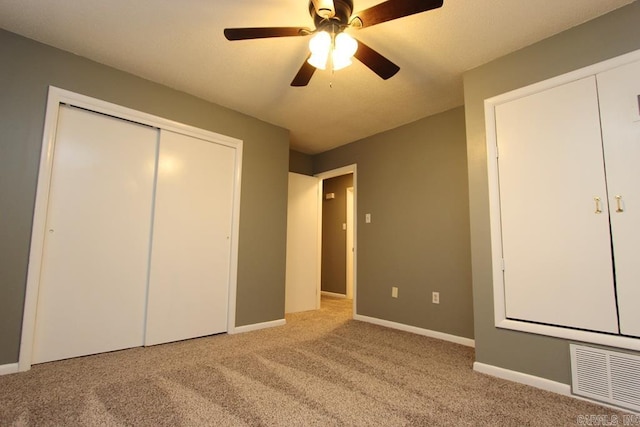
332,294
537,382
257,326
11,368
519,377
418,331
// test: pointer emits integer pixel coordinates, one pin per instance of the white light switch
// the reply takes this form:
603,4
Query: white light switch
394,292
367,218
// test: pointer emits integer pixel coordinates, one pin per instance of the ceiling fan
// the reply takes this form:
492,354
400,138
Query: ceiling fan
330,44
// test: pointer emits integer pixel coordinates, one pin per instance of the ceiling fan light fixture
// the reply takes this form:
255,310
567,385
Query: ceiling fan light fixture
319,61
344,49
320,47
340,62
341,49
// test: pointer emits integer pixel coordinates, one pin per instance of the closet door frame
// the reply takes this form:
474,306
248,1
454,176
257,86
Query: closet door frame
56,97
500,318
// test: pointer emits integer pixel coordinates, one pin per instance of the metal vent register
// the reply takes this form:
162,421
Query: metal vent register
605,375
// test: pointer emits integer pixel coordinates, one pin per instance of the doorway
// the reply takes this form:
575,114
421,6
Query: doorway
338,258
335,230
305,231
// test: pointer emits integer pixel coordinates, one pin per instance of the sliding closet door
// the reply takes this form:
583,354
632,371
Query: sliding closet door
190,257
94,270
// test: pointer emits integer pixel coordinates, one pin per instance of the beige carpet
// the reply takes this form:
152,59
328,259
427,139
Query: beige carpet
322,369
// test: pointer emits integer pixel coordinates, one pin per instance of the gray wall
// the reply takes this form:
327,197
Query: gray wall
334,238
597,40
300,163
27,69
413,182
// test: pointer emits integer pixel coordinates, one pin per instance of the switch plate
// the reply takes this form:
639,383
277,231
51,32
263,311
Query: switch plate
435,297
367,218
394,292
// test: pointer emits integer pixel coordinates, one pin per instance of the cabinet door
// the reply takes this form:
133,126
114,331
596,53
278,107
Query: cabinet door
93,284
191,248
619,91
555,226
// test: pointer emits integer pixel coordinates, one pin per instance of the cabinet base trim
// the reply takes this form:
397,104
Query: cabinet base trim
617,341
418,331
10,368
257,326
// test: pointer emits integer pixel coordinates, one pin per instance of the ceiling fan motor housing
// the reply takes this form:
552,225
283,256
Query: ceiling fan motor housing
343,10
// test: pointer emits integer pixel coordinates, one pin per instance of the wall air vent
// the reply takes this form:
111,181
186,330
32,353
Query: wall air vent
605,375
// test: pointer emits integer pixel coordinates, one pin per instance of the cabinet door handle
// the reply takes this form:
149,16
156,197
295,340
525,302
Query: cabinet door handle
619,204
597,200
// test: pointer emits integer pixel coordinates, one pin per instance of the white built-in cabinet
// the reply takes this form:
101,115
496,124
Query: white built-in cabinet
137,240
564,169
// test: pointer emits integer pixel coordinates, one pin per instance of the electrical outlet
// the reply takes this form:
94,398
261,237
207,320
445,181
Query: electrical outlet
394,292
435,297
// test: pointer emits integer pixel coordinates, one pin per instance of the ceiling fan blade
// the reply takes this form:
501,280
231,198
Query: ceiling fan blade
375,61
304,75
264,32
394,9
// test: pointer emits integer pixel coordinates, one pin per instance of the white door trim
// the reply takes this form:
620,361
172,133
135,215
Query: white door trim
350,241
345,170
59,96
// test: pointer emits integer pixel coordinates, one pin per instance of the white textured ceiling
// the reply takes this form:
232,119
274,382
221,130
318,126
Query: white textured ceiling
181,44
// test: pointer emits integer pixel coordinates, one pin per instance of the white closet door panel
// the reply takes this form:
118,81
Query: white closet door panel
302,244
190,257
94,271
556,249
619,91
